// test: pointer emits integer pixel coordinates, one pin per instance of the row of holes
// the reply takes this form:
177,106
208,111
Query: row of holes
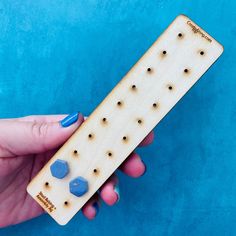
201,52
119,103
90,136
149,70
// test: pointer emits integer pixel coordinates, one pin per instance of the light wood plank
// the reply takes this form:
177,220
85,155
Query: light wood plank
176,63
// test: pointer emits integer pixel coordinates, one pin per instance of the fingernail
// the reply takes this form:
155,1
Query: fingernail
70,119
96,207
117,191
145,169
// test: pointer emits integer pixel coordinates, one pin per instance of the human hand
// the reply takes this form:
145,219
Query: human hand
26,145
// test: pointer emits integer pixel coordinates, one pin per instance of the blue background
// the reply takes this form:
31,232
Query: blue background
60,56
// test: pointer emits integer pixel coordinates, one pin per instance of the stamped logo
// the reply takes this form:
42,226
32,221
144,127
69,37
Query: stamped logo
46,202
197,30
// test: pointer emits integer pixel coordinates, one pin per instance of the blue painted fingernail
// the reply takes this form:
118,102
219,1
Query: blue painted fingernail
96,207
70,119
117,191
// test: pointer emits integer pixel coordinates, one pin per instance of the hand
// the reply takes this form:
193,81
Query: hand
26,145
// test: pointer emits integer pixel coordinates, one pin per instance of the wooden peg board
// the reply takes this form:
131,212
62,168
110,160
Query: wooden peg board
172,65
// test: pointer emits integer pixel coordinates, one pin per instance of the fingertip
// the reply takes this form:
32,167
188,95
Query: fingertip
138,170
145,169
90,210
109,195
133,166
80,119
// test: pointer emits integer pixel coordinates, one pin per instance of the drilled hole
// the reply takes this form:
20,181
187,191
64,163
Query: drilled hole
140,121
154,105
96,171
149,69
104,121
46,184
164,52
90,136
186,71
125,138
66,203
180,35
75,152
134,87
119,103
109,153
202,53
170,87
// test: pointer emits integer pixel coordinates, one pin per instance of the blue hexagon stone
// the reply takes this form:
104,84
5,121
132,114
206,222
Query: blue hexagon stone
59,169
78,186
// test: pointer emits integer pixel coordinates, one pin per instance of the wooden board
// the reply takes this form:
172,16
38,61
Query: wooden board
172,65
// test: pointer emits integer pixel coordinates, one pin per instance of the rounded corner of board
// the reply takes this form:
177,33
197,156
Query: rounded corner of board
222,48
28,188
61,222
182,17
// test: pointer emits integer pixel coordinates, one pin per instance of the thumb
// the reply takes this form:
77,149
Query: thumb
22,137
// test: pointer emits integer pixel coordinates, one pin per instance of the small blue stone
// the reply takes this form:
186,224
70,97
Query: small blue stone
59,169
78,186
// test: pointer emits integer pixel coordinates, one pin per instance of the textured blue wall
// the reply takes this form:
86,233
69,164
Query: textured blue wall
60,56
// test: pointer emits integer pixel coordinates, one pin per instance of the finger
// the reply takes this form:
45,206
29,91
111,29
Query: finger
109,192
22,138
42,118
147,140
133,166
91,208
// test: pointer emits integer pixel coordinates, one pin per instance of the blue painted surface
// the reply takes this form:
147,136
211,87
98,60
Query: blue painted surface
65,56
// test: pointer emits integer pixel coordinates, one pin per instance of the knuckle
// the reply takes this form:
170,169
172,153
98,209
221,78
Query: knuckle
39,130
